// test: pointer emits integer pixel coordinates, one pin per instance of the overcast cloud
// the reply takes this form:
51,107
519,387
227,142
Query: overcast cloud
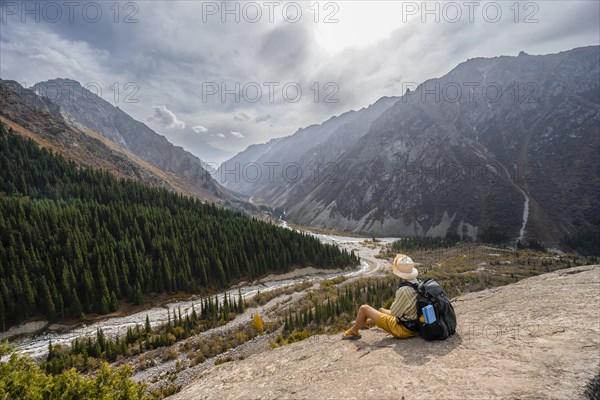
167,118
195,77
199,129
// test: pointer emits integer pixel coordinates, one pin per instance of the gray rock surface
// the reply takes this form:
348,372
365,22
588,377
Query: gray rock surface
536,339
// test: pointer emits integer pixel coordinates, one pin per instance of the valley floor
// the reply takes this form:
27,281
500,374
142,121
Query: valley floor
462,268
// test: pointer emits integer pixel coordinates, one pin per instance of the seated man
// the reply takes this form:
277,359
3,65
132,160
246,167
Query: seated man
404,305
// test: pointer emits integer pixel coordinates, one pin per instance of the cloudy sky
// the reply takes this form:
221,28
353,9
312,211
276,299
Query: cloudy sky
216,77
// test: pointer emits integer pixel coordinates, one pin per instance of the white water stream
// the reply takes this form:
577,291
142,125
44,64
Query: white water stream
525,205
525,215
37,345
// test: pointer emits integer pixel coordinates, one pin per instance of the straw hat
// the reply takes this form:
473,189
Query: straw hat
404,267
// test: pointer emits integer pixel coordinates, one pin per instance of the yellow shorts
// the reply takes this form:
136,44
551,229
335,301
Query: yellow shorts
390,324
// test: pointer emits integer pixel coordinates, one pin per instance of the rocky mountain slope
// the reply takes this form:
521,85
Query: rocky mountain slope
229,174
43,121
433,166
294,165
80,108
536,339
497,149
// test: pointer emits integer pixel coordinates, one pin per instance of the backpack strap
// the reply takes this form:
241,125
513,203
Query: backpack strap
411,325
407,283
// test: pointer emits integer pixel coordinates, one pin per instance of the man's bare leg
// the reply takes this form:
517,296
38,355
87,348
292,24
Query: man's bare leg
365,314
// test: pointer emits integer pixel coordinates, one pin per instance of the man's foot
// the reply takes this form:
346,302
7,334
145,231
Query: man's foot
351,335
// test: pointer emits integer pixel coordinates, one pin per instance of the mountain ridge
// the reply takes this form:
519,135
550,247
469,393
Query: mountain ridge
305,150
480,166
39,119
82,108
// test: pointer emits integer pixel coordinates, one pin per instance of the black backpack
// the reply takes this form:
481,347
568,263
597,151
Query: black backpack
430,292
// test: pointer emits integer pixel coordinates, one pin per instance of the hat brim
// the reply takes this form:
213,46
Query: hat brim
406,275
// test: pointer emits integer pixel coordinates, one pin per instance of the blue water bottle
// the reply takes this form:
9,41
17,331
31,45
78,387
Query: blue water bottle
429,314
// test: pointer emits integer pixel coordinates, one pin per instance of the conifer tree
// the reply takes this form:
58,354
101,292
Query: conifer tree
76,240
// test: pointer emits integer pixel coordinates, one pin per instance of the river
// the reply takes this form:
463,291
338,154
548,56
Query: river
37,345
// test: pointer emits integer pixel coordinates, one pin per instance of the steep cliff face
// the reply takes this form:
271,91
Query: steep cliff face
80,108
474,153
536,339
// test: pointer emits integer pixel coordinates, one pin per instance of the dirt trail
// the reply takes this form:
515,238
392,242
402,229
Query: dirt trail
536,339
